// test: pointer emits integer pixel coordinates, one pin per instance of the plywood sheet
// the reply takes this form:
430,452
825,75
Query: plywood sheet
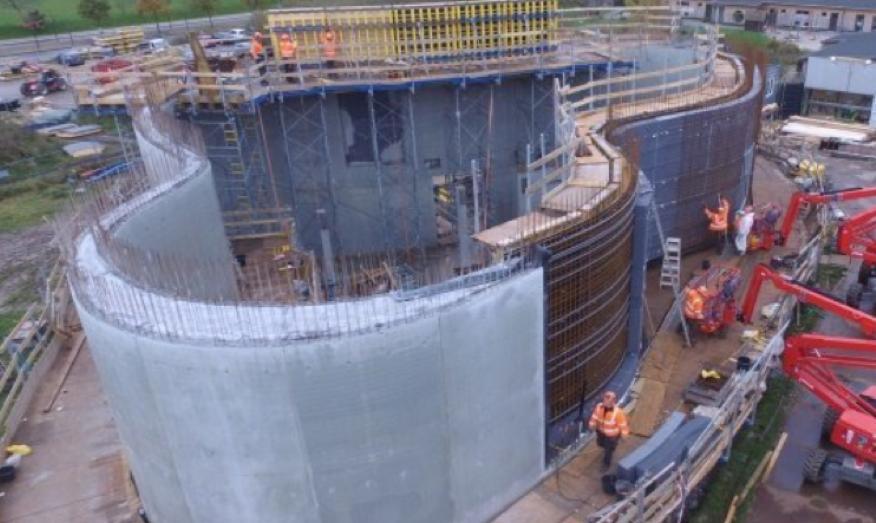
648,411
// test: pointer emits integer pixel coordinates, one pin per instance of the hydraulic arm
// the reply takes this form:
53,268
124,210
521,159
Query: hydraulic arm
805,294
852,236
809,359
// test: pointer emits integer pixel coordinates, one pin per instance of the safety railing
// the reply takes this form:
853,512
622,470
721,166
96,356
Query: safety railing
583,36
662,495
29,350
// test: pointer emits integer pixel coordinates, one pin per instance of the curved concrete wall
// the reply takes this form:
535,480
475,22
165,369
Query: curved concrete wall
690,158
184,225
437,419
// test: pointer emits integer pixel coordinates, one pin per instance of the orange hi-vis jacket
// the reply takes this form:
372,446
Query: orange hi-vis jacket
256,48
329,45
694,302
288,49
611,424
718,217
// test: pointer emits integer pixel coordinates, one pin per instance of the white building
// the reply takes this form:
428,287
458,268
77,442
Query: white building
840,79
829,15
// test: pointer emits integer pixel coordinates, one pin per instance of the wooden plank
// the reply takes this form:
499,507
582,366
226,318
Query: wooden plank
644,418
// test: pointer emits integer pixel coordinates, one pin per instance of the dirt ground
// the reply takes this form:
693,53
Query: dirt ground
26,255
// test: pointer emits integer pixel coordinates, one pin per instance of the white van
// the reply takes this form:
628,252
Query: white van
153,45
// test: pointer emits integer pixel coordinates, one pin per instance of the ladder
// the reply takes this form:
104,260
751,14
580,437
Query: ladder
675,284
670,271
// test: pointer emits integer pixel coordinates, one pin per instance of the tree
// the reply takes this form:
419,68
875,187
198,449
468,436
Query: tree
255,5
153,8
34,20
94,10
17,5
207,7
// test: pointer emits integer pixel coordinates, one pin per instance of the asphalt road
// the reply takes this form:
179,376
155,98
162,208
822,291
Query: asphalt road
46,47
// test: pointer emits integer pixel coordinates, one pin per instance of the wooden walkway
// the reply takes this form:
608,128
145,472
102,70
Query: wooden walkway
575,491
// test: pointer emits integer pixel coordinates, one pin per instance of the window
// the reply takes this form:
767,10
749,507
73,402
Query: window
804,13
684,3
357,126
873,23
859,22
823,14
738,16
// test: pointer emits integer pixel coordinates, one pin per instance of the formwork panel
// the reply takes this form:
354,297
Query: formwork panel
421,32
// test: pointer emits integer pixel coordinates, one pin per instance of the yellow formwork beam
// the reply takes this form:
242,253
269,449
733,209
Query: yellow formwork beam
414,31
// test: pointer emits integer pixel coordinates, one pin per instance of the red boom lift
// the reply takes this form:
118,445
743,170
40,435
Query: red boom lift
853,238
850,422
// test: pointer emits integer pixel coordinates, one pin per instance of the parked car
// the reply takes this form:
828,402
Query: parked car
9,104
25,67
153,45
110,65
49,81
233,35
207,40
71,58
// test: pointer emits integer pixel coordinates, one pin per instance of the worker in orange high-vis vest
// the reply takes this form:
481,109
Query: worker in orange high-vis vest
257,53
694,303
610,423
718,221
288,54
329,42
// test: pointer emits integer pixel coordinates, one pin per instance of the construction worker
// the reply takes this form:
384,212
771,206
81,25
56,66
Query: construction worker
329,42
695,302
744,223
288,53
718,221
610,423
257,52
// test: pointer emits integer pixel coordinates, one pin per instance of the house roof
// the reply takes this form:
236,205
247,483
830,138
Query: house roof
851,45
834,4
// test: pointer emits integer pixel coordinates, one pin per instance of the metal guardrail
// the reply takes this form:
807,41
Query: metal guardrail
585,36
31,347
663,494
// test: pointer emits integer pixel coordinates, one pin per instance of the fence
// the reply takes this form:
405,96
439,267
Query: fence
662,495
583,36
28,352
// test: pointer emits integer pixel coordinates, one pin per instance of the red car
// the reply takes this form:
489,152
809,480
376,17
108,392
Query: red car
108,66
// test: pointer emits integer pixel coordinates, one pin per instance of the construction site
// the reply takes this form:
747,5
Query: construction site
390,279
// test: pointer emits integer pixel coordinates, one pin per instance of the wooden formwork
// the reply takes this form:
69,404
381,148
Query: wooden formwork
423,31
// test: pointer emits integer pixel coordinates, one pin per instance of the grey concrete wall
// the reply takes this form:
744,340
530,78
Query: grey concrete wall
183,225
690,158
373,207
439,419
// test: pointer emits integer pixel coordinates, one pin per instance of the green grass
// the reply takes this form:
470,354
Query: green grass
28,208
8,320
749,448
829,274
740,41
63,15
735,37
